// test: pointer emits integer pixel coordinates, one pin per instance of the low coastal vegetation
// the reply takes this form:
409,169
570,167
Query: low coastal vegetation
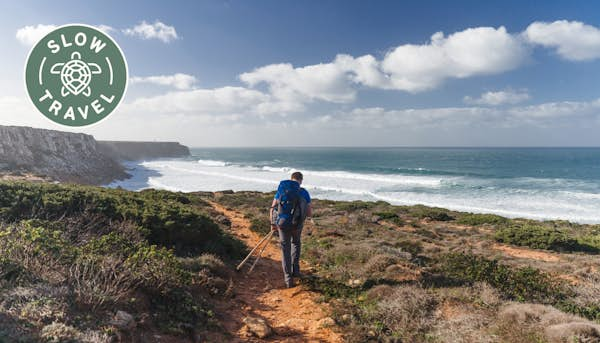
551,238
85,263
420,274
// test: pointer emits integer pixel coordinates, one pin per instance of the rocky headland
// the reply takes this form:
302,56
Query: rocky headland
73,157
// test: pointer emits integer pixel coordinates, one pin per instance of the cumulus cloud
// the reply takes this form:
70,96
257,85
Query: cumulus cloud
417,68
178,81
325,81
472,52
573,40
410,68
497,98
156,30
29,35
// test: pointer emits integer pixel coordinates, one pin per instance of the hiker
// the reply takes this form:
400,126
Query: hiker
289,209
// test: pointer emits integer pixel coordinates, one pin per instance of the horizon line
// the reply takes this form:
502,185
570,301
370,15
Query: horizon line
393,147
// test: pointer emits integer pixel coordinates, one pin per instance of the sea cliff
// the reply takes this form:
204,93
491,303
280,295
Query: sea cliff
133,151
73,157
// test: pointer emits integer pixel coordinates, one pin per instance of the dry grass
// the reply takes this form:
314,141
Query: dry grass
573,332
546,323
18,248
371,267
39,303
407,312
100,279
587,289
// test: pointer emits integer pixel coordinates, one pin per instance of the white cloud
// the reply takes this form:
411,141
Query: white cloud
106,28
472,52
421,67
410,68
573,40
325,81
178,81
507,96
218,101
157,30
29,35
551,113
243,106
568,110
208,116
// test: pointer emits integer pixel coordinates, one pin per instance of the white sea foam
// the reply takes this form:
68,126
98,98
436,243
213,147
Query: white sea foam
212,163
535,198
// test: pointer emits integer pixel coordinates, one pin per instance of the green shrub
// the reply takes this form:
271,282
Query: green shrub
413,247
353,205
331,289
437,214
239,200
106,246
260,225
205,261
10,271
475,219
521,284
164,218
591,312
114,243
178,312
391,217
540,237
591,241
39,251
157,269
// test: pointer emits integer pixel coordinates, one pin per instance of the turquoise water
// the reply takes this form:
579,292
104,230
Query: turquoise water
539,183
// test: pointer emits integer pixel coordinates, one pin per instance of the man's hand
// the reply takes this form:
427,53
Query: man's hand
274,227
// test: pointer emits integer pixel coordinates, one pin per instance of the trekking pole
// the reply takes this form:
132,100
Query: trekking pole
256,247
260,253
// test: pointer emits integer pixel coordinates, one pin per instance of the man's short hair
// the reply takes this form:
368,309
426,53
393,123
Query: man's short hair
297,176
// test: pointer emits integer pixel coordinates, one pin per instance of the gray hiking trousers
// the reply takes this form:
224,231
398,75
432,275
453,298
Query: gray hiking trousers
289,240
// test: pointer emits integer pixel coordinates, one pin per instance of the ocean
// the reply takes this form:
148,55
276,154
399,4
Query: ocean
536,183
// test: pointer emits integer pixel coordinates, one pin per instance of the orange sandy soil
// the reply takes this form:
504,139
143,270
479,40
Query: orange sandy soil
293,313
527,253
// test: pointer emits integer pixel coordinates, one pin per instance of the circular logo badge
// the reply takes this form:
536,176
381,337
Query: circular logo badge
76,75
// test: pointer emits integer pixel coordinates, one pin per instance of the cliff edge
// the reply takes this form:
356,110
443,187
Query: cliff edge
134,151
73,157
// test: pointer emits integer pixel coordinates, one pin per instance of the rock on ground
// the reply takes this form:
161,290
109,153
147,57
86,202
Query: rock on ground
258,327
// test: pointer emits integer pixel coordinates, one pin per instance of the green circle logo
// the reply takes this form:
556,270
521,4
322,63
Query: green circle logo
76,75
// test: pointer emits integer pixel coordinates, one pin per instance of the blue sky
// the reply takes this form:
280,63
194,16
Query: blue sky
253,73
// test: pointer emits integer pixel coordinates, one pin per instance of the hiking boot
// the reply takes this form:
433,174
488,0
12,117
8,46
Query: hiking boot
289,284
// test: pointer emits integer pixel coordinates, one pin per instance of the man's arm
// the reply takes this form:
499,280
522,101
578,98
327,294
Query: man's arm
309,203
273,204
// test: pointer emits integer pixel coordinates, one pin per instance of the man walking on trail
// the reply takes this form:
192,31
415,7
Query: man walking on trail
289,209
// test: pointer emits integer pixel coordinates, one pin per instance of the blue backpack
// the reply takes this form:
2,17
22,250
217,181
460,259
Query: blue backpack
289,210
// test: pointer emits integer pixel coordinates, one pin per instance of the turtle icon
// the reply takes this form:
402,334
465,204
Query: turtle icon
75,75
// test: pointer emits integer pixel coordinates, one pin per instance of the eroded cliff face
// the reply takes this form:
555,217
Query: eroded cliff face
134,151
61,156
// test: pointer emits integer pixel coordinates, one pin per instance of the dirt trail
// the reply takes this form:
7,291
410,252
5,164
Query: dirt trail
293,313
